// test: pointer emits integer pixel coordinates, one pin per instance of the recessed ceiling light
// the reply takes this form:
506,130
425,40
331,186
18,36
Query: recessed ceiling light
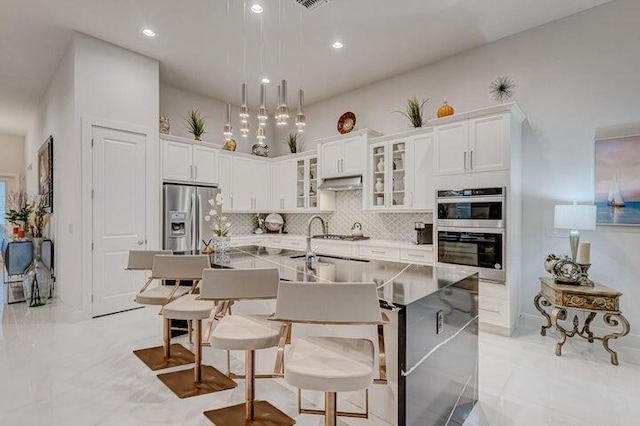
266,80
257,8
337,45
149,32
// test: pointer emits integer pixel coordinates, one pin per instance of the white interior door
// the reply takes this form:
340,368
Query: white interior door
119,218
8,183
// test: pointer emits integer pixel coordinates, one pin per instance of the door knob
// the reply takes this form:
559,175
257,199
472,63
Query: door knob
140,242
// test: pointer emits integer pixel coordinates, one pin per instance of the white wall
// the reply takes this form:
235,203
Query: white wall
99,80
12,154
175,102
573,76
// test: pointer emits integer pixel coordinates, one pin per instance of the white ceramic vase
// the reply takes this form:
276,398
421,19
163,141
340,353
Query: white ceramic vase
379,185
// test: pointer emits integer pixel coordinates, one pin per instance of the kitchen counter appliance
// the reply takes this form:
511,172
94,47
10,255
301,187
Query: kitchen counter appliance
471,230
424,233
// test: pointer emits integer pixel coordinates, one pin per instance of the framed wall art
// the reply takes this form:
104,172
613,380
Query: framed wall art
617,180
45,173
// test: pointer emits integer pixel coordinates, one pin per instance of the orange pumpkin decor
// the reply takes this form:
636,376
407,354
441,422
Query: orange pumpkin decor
445,110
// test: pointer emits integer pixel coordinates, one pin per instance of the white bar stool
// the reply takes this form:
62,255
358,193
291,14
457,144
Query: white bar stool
330,364
201,379
248,333
159,295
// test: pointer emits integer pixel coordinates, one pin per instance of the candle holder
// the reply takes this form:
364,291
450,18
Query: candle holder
584,278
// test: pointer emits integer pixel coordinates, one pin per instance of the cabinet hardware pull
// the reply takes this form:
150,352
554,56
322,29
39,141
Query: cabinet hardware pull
195,168
190,172
414,255
471,160
465,160
377,251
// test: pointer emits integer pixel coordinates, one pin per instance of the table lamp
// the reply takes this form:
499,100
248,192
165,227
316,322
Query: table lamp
575,217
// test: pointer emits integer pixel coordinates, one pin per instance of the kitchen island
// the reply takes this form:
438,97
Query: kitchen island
431,340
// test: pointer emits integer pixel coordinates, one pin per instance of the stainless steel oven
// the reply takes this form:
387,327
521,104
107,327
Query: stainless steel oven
480,249
471,230
474,208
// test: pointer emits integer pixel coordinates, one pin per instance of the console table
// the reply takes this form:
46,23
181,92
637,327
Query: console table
591,300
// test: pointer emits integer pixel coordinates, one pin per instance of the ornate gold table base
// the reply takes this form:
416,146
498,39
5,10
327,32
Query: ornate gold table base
559,313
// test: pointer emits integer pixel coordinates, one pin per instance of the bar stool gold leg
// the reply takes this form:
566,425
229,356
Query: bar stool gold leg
330,415
197,368
250,381
167,338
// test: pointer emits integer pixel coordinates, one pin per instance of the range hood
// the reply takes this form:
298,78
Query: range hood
341,183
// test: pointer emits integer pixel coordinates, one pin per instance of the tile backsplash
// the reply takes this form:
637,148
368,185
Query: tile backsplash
383,226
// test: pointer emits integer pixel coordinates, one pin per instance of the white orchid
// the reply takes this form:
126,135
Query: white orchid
221,224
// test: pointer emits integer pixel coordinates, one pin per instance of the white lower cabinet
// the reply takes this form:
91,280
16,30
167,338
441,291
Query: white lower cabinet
416,256
379,252
494,307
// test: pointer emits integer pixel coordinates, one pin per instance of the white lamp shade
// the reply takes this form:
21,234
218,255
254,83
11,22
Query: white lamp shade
575,216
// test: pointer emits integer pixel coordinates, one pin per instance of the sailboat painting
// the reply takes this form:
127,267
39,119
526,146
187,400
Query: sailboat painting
617,181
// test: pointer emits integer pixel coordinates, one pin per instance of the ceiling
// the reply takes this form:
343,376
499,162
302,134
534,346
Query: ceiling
199,43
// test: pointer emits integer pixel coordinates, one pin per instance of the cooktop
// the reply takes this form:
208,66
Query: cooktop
340,237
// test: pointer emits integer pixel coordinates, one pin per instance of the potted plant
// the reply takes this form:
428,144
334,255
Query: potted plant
195,124
220,225
414,111
19,212
293,143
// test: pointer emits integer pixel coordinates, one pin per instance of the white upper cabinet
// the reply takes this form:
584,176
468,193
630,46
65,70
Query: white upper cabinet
176,161
400,172
477,141
283,184
225,165
420,169
185,161
489,143
453,145
353,157
344,155
251,183
331,153
205,164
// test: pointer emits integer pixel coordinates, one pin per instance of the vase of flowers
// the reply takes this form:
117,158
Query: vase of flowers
36,284
19,212
220,225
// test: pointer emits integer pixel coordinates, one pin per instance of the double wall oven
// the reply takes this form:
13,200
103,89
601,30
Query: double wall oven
471,230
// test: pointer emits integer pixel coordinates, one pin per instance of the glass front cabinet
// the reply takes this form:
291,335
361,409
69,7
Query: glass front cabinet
308,197
400,173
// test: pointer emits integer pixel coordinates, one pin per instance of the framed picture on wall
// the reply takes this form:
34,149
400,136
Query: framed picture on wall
617,181
45,173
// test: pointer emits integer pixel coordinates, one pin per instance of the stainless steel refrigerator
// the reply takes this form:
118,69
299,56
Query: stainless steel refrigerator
185,207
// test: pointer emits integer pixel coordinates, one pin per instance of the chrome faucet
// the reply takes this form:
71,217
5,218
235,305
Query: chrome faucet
309,255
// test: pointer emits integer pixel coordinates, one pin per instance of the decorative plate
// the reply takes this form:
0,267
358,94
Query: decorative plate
273,222
346,123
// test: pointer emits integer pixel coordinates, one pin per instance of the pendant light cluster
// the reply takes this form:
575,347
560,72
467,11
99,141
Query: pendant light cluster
282,108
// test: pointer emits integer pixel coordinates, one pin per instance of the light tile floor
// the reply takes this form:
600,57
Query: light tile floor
57,373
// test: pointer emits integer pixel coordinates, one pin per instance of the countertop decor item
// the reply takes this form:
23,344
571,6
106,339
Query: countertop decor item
220,225
595,300
379,187
260,149
230,145
617,180
274,222
258,223
445,110
165,125
414,112
39,218
567,272
380,164
346,122
502,88
37,278
356,230
575,217
195,124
